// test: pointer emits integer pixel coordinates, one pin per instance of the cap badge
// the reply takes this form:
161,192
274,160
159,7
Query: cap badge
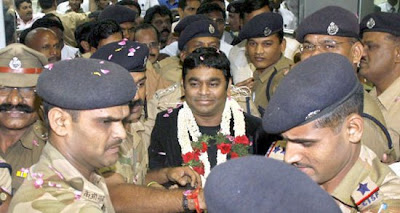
332,28
233,10
371,23
267,31
15,63
211,29
312,114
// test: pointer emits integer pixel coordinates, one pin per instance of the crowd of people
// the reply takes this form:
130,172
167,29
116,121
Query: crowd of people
190,105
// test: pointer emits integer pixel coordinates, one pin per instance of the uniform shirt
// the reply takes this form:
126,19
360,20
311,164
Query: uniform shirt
368,185
171,69
133,156
261,81
154,81
5,177
70,21
54,185
25,152
389,104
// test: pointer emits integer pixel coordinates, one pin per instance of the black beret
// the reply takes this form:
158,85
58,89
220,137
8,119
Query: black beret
262,25
200,28
381,22
131,55
83,84
313,88
259,184
235,7
118,13
330,20
188,20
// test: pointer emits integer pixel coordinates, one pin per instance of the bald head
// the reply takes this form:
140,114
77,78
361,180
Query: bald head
45,41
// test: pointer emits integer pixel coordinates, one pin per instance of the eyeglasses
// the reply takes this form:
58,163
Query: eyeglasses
325,46
218,20
153,45
25,92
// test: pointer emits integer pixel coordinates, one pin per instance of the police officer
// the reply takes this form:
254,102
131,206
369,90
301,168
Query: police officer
323,129
265,46
132,165
22,133
334,29
380,34
85,102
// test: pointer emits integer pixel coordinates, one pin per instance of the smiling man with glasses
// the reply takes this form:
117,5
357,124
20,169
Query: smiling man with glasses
336,30
22,135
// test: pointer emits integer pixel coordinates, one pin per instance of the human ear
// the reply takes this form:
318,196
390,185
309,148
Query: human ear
354,128
59,121
357,52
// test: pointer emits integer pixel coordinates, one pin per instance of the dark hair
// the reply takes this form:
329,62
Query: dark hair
162,10
102,30
46,4
336,117
52,16
252,5
209,8
82,34
47,22
23,34
19,2
212,1
130,3
47,107
280,35
183,3
207,57
145,26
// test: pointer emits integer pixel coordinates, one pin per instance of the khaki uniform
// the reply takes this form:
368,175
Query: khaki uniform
368,185
154,80
264,79
170,69
25,152
389,104
133,156
54,185
70,21
382,185
5,177
373,136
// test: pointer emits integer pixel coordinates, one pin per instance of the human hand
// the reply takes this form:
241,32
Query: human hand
248,83
183,176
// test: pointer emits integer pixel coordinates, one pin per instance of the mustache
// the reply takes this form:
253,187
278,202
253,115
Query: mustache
20,107
165,30
138,102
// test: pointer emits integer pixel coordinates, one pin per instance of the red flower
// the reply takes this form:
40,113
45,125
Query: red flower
242,140
234,155
224,147
190,156
205,147
199,170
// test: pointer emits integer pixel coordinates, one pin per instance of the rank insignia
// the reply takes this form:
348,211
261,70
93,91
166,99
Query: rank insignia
211,29
332,29
366,193
15,63
22,173
277,150
267,31
371,23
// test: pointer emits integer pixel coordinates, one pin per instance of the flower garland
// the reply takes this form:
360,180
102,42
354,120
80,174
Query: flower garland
194,153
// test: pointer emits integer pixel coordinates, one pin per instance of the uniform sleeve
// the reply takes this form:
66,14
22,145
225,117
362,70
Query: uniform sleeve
5,177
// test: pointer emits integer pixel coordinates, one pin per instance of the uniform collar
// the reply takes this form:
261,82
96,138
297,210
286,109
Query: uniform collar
390,95
279,65
35,131
367,165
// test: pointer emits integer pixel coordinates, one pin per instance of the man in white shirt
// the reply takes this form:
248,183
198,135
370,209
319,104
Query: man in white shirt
25,16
